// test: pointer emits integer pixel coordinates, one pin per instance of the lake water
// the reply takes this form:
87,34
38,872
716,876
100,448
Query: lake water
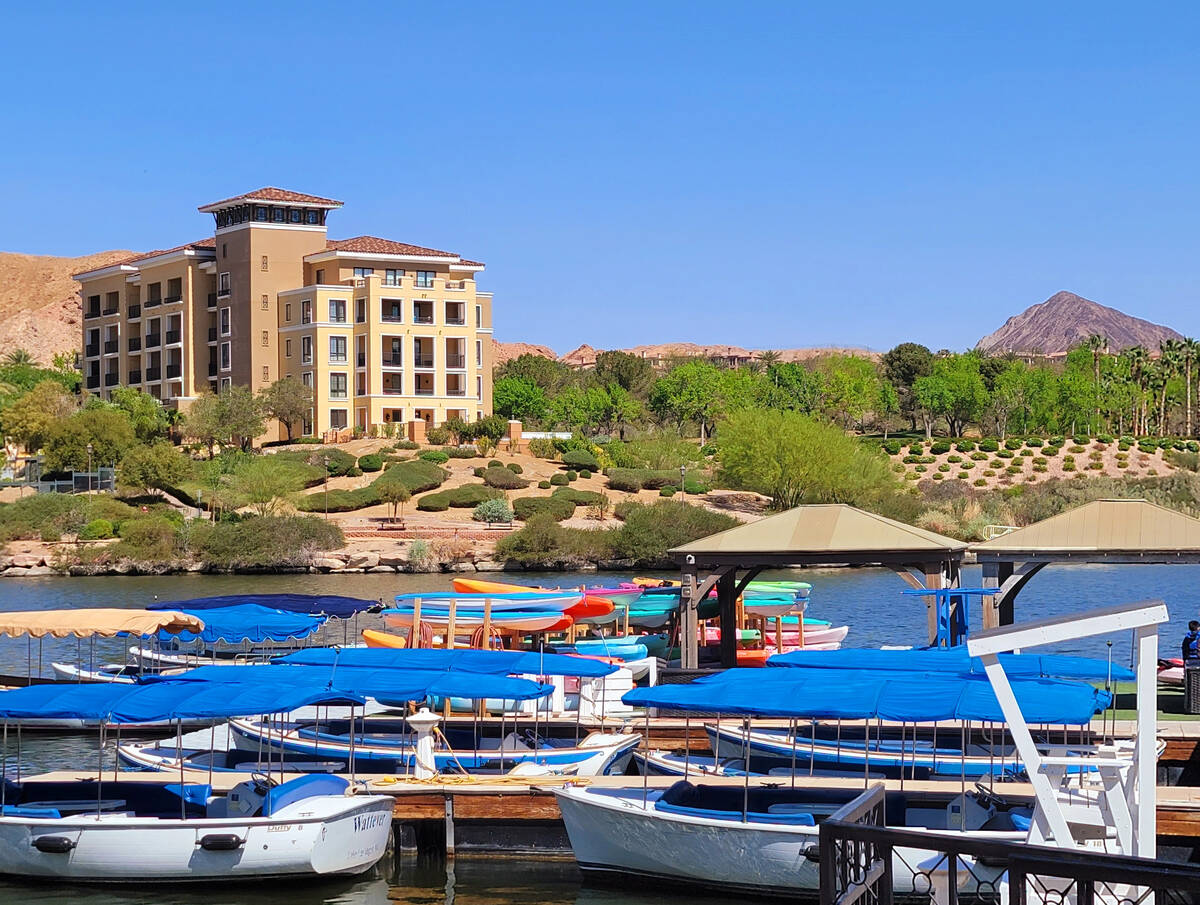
868,600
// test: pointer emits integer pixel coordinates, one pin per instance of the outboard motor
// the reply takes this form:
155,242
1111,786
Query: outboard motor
246,798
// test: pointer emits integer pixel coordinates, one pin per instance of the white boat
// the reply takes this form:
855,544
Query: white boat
307,826
762,841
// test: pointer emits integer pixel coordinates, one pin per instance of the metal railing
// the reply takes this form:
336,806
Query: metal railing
212,334
393,391
153,374
111,346
107,311
172,299
152,303
93,381
135,377
212,300
424,391
859,858
135,311
422,318
91,312
91,351
111,379
422,361
393,361
153,339
174,336
135,344
174,370
455,362
990,531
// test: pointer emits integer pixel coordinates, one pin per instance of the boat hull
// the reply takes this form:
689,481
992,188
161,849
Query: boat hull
335,835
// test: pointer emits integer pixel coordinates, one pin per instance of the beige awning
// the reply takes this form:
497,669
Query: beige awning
102,622
1101,527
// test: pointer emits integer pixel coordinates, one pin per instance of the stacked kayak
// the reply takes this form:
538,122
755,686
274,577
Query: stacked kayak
523,612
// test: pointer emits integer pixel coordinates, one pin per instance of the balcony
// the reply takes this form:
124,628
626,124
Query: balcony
93,381
135,344
392,391
422,318
459,321
337,359
153,340
456,391
153,374
111,379
135,311
92,312
174,371
423,282
392,319
456,284
393,361
135,377
108,311
91,350
172,299
423,361
112,346
360,359
212,369
173,336
424,391
212,300
455,362
212,334
223,293
152,303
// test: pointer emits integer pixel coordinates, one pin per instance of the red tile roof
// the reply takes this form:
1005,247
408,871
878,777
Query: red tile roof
269,193
471,263
133,260
373,245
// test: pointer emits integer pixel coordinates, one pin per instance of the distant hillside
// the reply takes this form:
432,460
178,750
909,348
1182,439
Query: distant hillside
39,302
585,355
1064,320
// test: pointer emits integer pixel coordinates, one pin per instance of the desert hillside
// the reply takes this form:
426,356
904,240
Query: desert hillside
39,302
585,355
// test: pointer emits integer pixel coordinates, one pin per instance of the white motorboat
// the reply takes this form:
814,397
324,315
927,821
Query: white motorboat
139,832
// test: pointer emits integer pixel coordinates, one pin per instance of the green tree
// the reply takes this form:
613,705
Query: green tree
107,430
146,414
519,398
395,494
28,420
548,373
850,387
887,403
288,401
156,467
621,408
265,482
795,460
631,372
688,393
902,366
953,390
203,421
579,409
793,386
233,418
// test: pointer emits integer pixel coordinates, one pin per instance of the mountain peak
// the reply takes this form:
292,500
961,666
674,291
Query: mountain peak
1064,320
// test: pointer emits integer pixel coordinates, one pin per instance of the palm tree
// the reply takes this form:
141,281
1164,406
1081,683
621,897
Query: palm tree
1138,360
1191,353
19,357
1098,346
1171,356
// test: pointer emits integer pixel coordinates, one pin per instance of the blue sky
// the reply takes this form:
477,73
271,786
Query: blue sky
762,174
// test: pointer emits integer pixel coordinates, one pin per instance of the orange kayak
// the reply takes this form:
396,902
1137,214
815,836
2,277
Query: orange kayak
588,608
383,639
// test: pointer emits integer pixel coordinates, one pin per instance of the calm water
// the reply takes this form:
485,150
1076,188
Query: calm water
869,600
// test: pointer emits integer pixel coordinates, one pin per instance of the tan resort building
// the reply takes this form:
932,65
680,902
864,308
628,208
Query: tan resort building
384,332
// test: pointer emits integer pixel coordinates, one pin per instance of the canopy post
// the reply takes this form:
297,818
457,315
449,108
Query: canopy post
688,628
727,600
746,769
414,633
487,623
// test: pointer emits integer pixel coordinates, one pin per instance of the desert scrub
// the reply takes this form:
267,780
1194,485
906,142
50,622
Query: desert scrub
962,475
493,512
953,460
978,456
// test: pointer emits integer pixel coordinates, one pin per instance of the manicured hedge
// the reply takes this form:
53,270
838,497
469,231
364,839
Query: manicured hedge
577,459
433,455
371,462
500,477
416,475
468,496
529,506
578,497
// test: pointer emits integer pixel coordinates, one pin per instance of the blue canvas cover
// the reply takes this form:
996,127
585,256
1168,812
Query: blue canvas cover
386,685
956,661
315,604
247,622
890,695
484,662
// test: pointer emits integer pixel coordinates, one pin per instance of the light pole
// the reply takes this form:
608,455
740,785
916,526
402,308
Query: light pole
89,450
682,479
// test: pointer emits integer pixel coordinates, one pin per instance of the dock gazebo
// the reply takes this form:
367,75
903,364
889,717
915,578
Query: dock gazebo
812,535
1130,531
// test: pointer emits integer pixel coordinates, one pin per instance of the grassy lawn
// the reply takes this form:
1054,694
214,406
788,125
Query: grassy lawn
1170,702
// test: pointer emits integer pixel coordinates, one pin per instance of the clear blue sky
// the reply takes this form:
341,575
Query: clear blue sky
763,174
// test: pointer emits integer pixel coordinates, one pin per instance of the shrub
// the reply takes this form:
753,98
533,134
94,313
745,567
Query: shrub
1039,468
544,485
911,460
577,459
916,448
479,471
989,445
1076,449
978,456
263,542
967,466
558,508
435,456
97,529
492,511
405,444
468,496
939,447
438,436
965,446
418,476
1013,443
989,473
944,467
911,476
898,468
667,491
928,460
996,463
696,488
1004,454
921,469
1105,438
461,452
495,463
980,482
371,462
954,459
938,476
1035,442
503,479
515,468
891,447
1095,466
1068,463
578,497
559,480
543,448
148,539
962,475
572,476
1050,451
585,474
1012,469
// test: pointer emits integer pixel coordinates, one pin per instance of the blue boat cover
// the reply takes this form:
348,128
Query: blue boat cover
247,622
890,695
164,700
955,661
316,604
385,685
484,662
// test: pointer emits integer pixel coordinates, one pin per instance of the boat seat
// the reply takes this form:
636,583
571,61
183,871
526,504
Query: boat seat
15,810
303,787
794,818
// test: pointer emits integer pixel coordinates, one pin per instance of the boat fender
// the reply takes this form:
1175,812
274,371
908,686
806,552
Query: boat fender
53,845
812,853
221,842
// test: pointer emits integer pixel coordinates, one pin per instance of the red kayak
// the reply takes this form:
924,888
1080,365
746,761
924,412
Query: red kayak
588,608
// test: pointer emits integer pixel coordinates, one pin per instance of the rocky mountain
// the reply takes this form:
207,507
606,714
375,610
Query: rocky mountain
1064,320
40,309
502,352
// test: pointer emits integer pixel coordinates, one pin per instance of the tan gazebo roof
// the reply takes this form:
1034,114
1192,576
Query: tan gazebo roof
824,532
1129,527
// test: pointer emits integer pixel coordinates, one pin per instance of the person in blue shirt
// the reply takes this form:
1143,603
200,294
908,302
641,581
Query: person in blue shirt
1191,642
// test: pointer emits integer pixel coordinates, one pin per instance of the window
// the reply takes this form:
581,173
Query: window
479,353
362,383
287,348
266,378
226,356
392,310
337,311
223,284
320,277
306,350
295,216
312,218
479,315
264,263
306,311
278,214
260,214
392,277
361,272
425,279
337,348
337,386
266,339
479,388
306,379
360,311
265,304
224,250
225,324
337,419
226,383
287,313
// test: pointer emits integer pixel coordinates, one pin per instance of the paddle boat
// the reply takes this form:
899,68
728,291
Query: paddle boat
150,832
763,839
